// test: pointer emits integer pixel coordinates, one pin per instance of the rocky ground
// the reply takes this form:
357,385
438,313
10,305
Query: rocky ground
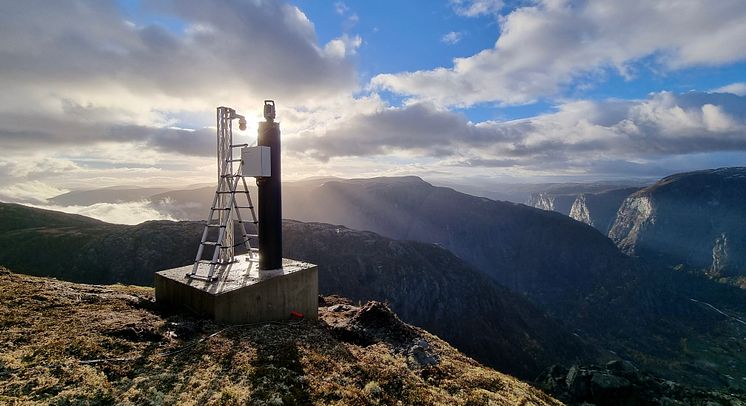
63,343
620,383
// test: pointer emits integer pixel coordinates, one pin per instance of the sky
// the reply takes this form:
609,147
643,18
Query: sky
102,93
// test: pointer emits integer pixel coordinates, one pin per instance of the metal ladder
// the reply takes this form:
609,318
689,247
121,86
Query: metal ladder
225,203
228,186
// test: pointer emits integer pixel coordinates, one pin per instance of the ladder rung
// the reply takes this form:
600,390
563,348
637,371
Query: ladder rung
204,261
200,277
235,191
253,249
239,145
220,208
209,243
232,160
215,225
244,207
249,222
252,235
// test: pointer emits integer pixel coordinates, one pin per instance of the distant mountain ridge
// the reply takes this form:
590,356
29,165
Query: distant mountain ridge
117,194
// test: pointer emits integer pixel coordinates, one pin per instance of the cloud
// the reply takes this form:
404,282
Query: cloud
343,46
552,44
578,134
117,213
738,88
33,191
475,8
451,38
78,73
341,8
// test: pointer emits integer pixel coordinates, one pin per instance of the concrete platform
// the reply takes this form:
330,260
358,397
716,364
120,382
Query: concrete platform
241,293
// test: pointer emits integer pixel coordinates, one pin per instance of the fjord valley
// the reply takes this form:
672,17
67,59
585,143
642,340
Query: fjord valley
528,288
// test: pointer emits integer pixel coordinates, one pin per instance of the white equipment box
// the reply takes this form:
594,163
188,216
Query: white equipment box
256,162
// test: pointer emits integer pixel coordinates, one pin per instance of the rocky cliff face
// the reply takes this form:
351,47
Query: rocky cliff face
427,285
62,343
599,210
695,220
561,203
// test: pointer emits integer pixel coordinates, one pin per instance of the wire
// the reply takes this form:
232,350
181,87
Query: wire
188,346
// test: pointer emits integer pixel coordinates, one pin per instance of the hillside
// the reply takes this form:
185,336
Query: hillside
101,345
425,284
694,221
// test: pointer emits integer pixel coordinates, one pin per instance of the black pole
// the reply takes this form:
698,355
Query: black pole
270,196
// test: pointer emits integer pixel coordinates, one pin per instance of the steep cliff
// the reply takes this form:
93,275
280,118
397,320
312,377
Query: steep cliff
561,203
694,221
599,210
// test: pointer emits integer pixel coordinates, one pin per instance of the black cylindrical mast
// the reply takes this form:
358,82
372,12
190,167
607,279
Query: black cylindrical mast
270,194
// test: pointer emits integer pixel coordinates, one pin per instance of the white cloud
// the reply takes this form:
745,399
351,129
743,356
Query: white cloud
344,46
92,76
32,191
117,213
475,8
451,38
738,88
341,8
578,134
552,44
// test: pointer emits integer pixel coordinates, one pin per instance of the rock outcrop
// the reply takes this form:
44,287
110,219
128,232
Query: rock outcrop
619,383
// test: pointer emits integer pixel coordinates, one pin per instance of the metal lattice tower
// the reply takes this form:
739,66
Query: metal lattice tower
225,203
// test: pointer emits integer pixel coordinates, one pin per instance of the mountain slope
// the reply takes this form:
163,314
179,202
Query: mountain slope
109,344
425,284
696,220
571,270
531,251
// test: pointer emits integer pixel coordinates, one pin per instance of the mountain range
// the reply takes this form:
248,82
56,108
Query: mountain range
678,325
425,284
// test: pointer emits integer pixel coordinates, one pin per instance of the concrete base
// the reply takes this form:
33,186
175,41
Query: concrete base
242,293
